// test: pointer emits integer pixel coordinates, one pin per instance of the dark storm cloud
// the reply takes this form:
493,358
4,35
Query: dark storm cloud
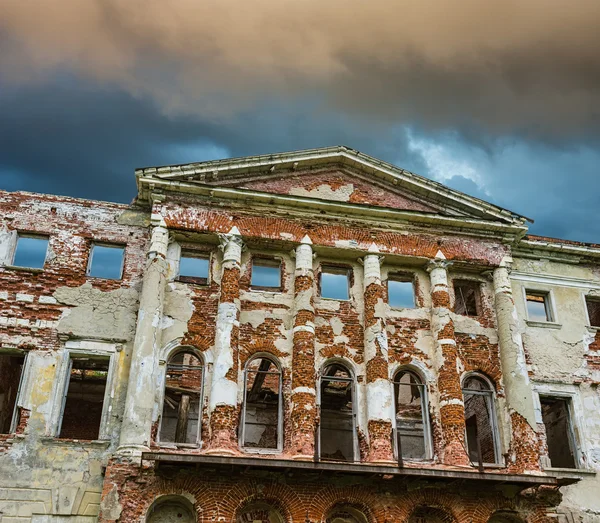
500,99
502,66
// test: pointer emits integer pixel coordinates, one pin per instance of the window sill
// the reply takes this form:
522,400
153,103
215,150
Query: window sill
261,451
200,282
593,328
334,299
272,290
100,278
490,465
544,324
171,446
24,269
105,443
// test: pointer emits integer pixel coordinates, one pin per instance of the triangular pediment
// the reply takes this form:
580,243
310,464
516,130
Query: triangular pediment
333,174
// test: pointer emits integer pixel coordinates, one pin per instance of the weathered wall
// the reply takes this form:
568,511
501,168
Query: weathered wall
561,361
45,314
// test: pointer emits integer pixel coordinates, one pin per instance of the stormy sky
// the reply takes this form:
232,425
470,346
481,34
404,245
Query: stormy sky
497,98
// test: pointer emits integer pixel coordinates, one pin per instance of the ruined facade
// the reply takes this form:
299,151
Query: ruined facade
307,337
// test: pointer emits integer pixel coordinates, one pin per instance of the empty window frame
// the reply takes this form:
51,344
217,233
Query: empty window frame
194,268
11,375
538,306
182,402
266,274
30,251
467,297
480,419
84,406
401,292
556,415
412,420
262,415
592,305
106,261
337,430
335,283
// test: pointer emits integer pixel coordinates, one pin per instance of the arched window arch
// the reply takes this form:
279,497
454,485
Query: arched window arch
169,509
413,436
480,419
337,429
345,514
261,426
182,402
260,512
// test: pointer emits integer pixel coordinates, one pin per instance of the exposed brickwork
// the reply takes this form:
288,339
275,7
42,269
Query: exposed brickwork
303,499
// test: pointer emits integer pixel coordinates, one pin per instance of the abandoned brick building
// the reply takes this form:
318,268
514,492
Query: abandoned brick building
307,337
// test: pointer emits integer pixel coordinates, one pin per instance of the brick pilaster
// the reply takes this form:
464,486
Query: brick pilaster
379,390
446,362
304,410
223,404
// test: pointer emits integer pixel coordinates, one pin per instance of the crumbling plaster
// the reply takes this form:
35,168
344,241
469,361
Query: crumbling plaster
557,365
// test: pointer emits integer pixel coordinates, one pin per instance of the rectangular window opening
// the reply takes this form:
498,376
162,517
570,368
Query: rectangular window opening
410,419
30,252
261,414
106,261
337,420
467,298
479,425
538,306
593,310
335,283
401,293
11,370
84,398
556,415
266,274
194,268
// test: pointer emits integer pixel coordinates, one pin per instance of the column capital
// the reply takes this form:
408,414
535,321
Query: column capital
232,245
437,263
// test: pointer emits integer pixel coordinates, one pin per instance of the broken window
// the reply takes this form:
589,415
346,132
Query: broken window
556,415
593,310
345,514
11,371
83,404
334,283
259,512
194,268
106,261
266,274
401,293
337,440
30,252
538,306
480,420
261,427
466,298
182,403
412,430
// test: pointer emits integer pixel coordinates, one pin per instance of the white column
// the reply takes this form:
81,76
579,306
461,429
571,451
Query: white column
139,403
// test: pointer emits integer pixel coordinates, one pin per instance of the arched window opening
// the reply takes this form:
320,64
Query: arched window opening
412,425
505,517
337,431
182,404
480,419
345,514
259,513
430,515
172,509
261,427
